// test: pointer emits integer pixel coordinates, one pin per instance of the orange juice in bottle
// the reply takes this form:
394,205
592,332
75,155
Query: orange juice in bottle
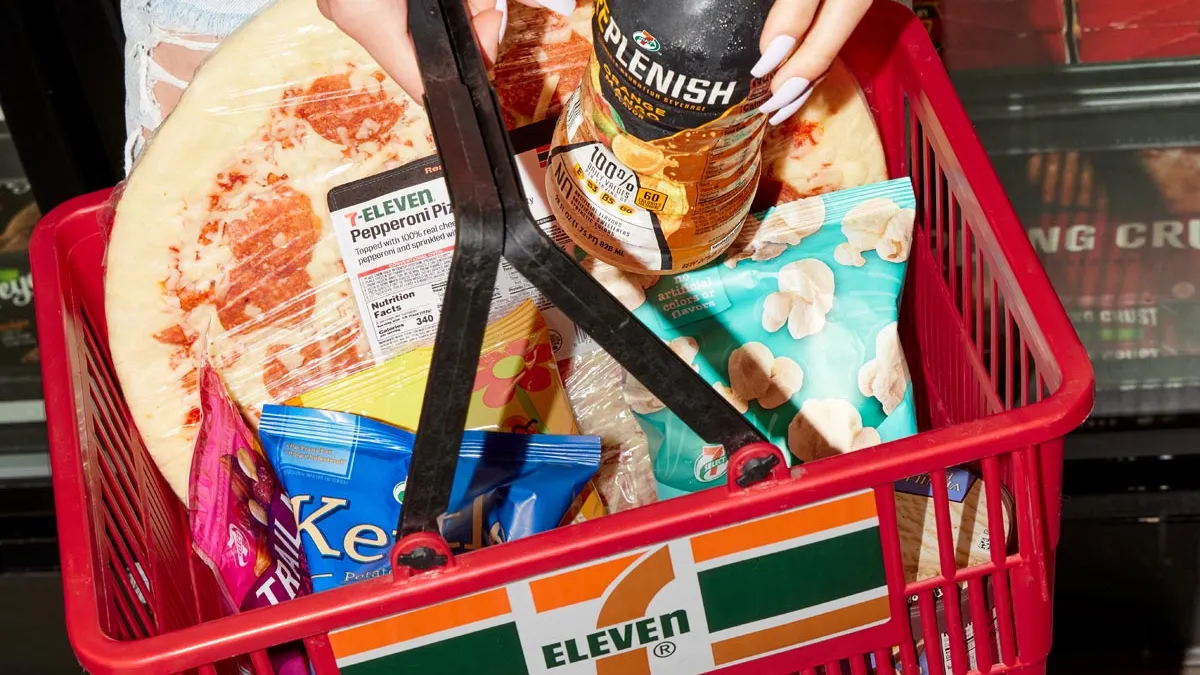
656,157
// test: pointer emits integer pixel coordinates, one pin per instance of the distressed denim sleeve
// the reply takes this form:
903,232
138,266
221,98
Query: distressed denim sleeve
166,40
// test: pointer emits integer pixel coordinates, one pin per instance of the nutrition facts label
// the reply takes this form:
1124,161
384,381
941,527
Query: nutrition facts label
406,307
396,247
396,235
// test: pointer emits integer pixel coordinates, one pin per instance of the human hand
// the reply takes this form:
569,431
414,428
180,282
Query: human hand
381,27
820,27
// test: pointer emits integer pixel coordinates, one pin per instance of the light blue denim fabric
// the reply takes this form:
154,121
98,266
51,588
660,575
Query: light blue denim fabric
150,22
206,17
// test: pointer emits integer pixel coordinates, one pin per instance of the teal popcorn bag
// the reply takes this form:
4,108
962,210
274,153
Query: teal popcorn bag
796,327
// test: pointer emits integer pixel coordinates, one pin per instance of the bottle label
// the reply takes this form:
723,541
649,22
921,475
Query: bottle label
600,200
656,157
665,71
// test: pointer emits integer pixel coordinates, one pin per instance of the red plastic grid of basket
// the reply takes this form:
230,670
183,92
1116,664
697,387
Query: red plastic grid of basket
999,375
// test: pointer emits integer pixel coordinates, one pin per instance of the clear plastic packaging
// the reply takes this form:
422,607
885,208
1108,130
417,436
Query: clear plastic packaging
223,230
541,62
541,59
223,234
626,477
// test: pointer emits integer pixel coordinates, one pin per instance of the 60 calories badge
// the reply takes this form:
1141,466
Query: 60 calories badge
646,41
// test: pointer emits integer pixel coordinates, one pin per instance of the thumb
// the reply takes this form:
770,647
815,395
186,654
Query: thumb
381,27
489,26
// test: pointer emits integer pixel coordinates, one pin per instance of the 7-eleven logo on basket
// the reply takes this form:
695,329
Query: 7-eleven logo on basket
684,607
711,463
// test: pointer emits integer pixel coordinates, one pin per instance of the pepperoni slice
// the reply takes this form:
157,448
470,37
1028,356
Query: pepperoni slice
574,56
281,230
275,374
343,115
343,351
335,356
261,293
806,133
520,77
208,233
272,246
280,380
191,299
175,335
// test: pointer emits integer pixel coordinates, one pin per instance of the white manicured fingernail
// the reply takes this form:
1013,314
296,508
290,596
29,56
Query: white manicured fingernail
564,7
789,109
778,50
502,7
786,94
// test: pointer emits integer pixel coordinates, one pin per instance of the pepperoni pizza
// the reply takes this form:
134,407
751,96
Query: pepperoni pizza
222,247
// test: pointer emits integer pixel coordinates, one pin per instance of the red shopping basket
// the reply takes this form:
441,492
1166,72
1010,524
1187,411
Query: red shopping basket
999,377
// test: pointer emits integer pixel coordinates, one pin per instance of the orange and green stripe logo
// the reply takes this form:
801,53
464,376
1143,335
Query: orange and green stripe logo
623,631
792,579
465,635
686,606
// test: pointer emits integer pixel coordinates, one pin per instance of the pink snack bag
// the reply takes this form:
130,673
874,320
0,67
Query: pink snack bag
243,526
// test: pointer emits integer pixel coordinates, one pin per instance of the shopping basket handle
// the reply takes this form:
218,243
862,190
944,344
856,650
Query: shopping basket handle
479,229
492,219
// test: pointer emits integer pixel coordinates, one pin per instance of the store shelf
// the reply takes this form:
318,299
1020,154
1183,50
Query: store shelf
1085,107
1102,163
10,164
1082,152
19,383
1150,440
28,535
1126,597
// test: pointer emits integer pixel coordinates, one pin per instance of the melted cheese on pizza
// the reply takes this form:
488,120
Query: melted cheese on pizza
258,272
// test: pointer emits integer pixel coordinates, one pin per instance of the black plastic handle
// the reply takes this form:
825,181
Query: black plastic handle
491,217
439,33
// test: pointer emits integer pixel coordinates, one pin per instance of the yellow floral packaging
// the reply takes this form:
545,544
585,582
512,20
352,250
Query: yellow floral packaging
517,389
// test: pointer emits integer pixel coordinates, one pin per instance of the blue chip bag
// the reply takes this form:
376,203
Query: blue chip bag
797,327
347,476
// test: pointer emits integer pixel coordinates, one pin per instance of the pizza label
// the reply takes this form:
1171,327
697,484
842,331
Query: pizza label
396,234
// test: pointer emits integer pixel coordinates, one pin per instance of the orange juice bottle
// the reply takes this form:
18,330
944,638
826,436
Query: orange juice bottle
656,157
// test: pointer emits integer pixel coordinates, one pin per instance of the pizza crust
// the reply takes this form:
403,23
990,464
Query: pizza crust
830,144
223,118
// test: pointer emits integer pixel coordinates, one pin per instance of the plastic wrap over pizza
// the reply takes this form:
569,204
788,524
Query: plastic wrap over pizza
222,246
